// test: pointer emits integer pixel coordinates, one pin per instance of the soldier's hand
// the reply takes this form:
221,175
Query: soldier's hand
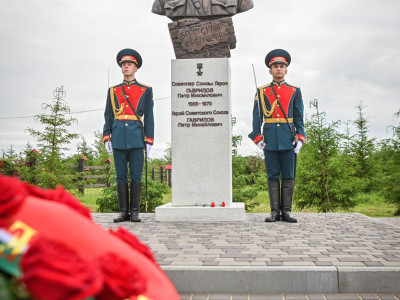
261,145
148,148
108,146
298,146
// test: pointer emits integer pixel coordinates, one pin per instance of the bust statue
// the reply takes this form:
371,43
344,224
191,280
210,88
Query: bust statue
201,28
178,9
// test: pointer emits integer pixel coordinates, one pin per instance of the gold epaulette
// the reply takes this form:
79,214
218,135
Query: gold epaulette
263,86
292,85
144,85
114,86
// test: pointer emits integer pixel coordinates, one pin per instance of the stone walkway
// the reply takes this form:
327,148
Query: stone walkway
332,239
329,250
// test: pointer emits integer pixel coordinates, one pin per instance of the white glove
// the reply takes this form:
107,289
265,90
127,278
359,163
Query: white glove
298,146
261,145
148,148
108,146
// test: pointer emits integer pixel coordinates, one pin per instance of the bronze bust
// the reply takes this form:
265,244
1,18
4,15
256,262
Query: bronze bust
178,9
201,28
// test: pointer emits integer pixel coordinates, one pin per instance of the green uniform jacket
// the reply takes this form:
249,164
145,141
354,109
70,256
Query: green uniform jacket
121,124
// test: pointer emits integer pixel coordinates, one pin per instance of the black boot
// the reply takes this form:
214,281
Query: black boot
287,197
123,202
274,201
136,188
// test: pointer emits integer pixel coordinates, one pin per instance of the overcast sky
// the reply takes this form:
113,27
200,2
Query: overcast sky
342,52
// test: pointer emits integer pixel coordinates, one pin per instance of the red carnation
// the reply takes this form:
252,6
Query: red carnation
12,196
54,271
223,204
121,278
134,242
212,204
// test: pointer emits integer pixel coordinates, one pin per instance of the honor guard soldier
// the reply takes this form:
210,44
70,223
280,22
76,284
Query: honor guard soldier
280,105
128,132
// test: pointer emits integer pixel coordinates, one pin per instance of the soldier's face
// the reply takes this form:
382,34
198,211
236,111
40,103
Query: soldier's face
278,71
128,68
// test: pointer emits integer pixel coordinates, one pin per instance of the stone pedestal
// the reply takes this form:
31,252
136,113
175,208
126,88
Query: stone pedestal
199,38
201,143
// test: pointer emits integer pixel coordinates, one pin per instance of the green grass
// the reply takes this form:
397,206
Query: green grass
371,204
90,197
167,197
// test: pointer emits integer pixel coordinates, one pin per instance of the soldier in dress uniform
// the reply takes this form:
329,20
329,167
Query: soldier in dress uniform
280,105
128,129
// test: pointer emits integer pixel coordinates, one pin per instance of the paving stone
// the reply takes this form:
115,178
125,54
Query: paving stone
185,296
332,239
266,297
240,297
368,296
315,297
298,263
372,263
248,259
387,297
352,259
295,297
323,263
210,263
258,263
342,297
220,297
275,263
200,297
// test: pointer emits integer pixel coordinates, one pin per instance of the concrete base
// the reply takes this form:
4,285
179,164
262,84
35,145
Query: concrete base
169,213
369,280
282,279
255,280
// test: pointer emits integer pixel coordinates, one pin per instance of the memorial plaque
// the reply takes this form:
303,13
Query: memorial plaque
201,132
201,143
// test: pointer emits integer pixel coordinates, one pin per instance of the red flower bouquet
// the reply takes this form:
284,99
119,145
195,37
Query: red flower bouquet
54,271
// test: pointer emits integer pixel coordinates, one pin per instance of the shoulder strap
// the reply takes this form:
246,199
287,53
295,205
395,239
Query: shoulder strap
283,110
198,7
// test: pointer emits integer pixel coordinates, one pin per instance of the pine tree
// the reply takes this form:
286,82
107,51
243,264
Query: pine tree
11,162
324,177
236,139
362,148
30,169
345,145
86,150
54,139
390,153
100,153
168,154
